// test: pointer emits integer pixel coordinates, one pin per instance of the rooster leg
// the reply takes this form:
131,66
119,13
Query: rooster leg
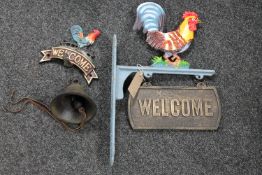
175,57
167,55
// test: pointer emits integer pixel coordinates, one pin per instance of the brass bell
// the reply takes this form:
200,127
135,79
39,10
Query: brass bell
72,107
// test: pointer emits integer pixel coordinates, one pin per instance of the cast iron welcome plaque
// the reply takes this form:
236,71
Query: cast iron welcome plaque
155,107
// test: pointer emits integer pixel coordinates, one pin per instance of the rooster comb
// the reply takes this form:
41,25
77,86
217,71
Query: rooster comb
189,13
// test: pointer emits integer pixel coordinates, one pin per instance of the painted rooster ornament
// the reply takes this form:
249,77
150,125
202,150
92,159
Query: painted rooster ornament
150,17
80,39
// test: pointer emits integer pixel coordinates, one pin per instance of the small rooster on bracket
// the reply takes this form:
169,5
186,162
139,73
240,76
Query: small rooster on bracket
150,17
80,39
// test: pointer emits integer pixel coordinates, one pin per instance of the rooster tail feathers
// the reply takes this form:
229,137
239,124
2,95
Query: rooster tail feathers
150,16
75,31
138,24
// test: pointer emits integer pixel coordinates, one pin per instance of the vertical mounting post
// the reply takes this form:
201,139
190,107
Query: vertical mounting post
113,102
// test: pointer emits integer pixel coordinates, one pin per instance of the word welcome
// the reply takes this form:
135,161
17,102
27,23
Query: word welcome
175,107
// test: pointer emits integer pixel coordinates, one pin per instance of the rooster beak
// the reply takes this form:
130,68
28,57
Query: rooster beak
199,21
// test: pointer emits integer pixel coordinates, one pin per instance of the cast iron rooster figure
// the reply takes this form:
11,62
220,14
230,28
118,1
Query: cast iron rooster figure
150,17
78,36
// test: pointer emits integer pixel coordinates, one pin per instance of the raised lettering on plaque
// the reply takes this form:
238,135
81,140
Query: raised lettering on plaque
175,108
75,57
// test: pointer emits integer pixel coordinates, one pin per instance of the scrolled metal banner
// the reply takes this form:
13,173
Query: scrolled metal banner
74,57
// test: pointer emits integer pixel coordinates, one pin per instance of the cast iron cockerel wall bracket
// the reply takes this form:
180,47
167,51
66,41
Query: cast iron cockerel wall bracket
120,74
